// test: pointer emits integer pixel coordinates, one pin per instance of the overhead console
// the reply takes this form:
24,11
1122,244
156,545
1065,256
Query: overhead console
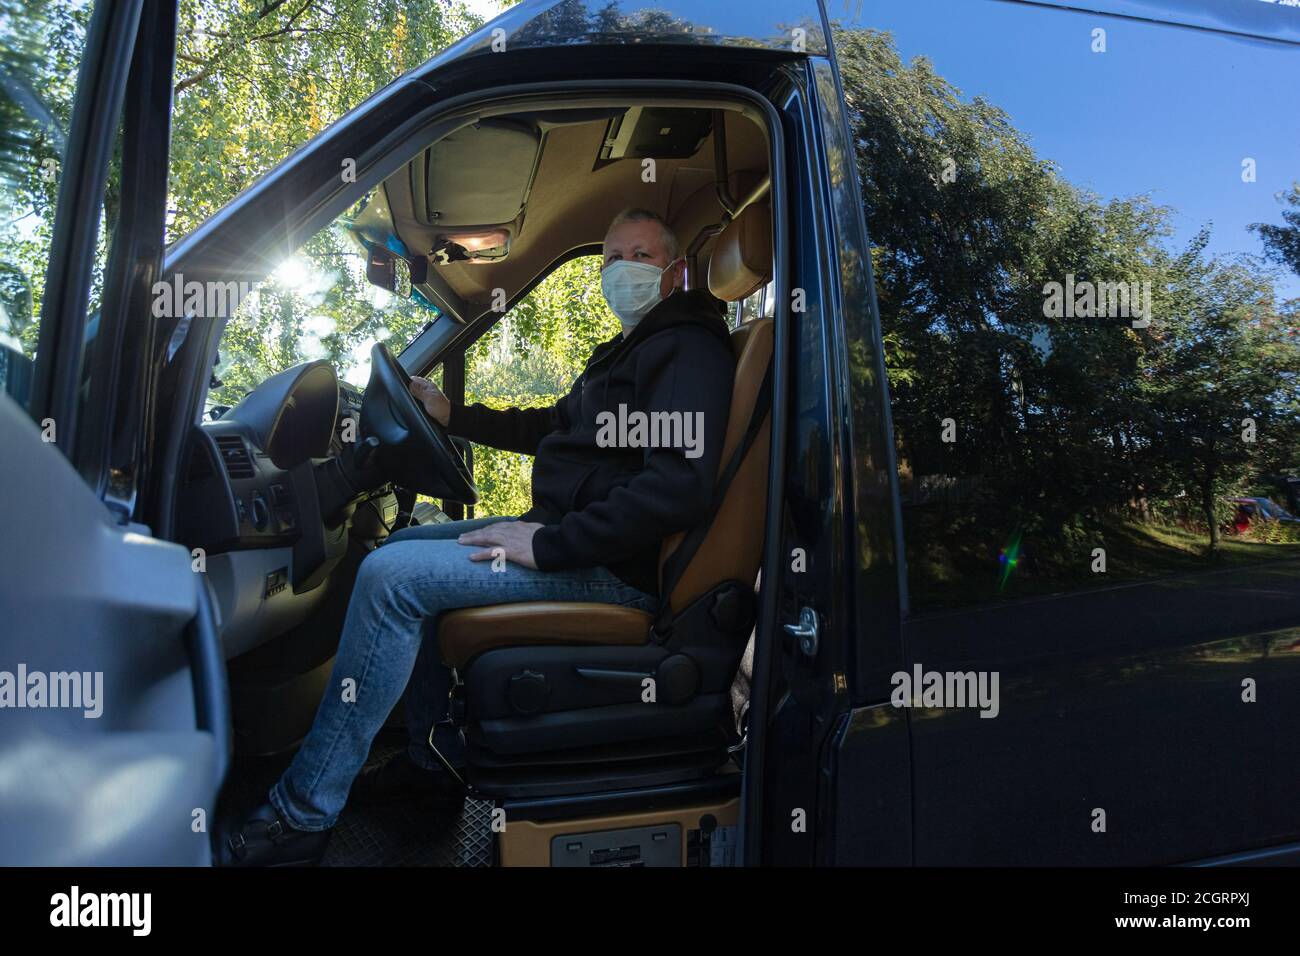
455,193
660,132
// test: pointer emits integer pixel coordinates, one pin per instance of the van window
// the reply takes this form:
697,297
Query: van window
530,359
1085,259
39,61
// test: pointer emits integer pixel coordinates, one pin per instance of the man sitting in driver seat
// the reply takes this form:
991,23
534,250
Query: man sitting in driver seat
605,496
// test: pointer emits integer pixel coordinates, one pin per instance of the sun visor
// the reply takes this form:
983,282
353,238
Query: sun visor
479,175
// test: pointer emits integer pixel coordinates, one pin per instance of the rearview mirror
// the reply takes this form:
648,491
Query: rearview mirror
392,272
389,272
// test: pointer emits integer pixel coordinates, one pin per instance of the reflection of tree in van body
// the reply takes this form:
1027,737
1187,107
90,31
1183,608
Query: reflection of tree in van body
606,19
575,18
1282,243
1107,423
23,136
1081,434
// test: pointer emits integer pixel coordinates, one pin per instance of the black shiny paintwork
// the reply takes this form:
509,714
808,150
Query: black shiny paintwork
825,801
867,824
1127,699
754,24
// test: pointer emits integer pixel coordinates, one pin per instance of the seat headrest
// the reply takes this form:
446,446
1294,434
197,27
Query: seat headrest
741,262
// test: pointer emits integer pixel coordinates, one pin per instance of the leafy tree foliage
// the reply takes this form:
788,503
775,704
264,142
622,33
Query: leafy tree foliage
256,79
38,65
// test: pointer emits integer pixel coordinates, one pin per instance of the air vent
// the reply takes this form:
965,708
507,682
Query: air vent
235,455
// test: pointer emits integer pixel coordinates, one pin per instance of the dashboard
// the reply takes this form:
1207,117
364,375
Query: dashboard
248,479
249,503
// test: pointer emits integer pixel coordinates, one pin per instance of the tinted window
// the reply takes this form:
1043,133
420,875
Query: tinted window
1087,257
39,58
530,359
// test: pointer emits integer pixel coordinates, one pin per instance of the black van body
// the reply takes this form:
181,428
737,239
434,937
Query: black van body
1107,699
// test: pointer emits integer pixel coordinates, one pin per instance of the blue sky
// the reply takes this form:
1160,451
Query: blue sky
1165,110
487,9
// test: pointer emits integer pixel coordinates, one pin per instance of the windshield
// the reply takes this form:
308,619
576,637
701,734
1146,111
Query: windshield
253,83
317,304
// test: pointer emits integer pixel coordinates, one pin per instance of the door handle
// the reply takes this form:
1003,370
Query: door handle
208,669
807,631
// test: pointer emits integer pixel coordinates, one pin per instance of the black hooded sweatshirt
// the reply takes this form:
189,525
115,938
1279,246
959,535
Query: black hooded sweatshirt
612,504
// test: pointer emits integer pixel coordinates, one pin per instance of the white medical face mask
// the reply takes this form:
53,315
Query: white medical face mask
632,289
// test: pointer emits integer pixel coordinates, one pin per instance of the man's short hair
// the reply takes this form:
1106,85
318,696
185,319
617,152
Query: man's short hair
635,214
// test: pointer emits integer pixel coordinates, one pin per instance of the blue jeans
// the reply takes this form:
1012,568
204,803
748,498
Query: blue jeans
389,639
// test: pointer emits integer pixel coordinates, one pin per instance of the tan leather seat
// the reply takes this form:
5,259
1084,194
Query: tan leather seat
741,262
462,634
731,550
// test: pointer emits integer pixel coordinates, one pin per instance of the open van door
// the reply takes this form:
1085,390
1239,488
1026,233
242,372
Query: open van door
114,739
736,57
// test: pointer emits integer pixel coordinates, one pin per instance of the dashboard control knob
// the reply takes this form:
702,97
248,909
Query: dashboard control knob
261,513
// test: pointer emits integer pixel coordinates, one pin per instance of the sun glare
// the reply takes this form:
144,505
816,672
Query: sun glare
294,274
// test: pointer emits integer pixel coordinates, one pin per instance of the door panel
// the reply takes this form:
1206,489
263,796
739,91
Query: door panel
818,806
1127,700
119,778
114,737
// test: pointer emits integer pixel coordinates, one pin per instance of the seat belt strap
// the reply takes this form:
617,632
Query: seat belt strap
680,559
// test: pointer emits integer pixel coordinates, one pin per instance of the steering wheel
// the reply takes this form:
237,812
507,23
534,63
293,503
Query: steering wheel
414,450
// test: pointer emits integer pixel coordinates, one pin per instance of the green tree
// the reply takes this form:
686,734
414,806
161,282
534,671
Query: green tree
39,60
1282,243
258,78
255,80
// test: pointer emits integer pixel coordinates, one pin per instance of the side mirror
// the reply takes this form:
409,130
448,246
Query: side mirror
15,318
393,273
15,300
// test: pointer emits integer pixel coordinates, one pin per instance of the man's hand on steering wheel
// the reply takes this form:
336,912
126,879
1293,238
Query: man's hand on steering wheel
414,450
513,538
431,397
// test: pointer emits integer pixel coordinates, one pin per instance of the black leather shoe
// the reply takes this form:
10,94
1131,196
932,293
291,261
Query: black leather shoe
400,778
265,839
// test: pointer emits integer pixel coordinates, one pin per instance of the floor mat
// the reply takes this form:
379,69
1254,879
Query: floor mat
398,834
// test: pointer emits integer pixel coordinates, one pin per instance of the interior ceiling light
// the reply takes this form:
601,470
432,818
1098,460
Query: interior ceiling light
471,247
